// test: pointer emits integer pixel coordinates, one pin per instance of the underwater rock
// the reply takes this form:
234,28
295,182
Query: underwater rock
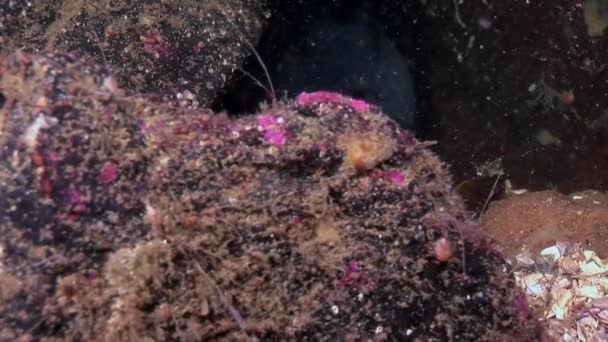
126,218
172,47
352,55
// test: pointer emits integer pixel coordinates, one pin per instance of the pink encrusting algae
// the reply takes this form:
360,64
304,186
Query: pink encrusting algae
270,125
353,268
157,46
107,174
359,105
394,176
305,99
75,203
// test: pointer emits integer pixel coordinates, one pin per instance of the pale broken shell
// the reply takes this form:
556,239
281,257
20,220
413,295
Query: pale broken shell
585,328
602,317
592,268
560,308
589,291
535,284
524,259
552,252
600,303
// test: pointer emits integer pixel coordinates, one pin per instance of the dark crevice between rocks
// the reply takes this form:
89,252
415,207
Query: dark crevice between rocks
289,21
2,100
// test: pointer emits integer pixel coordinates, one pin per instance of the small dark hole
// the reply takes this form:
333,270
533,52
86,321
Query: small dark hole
2,101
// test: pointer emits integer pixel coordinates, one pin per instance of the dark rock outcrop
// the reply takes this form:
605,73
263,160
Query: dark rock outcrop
125,218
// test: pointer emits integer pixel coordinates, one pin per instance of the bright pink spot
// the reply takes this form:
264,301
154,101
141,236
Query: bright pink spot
394,176
107,174
359,105
53,156
47,186
79,208
305,99
319,96
322,150
38,158
91,275
267,121
75,204
74,196
157,46
276,138
352,269
274,134
72,56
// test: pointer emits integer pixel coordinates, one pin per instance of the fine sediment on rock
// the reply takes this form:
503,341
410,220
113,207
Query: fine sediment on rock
539,219
125,218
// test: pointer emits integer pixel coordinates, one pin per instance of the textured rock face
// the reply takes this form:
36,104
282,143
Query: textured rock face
124,218
171,47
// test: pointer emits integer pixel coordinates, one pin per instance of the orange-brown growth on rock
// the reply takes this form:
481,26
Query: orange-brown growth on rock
327,231
363,151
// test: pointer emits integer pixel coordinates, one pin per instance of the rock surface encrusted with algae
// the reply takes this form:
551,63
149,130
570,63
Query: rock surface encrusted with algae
124,218
170,47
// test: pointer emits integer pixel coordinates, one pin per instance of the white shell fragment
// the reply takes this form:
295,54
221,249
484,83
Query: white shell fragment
593,267
524,259
535,284
573,297
552,251
30,137
562,300
588,292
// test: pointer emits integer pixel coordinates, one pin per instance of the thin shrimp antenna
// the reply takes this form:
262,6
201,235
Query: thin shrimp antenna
244,39
103,55
254,79
490,194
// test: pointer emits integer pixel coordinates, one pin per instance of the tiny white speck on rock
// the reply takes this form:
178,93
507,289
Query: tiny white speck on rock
335,310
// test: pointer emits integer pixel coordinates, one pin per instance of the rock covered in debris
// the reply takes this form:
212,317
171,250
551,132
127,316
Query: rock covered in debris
319,219
72,176
175,47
